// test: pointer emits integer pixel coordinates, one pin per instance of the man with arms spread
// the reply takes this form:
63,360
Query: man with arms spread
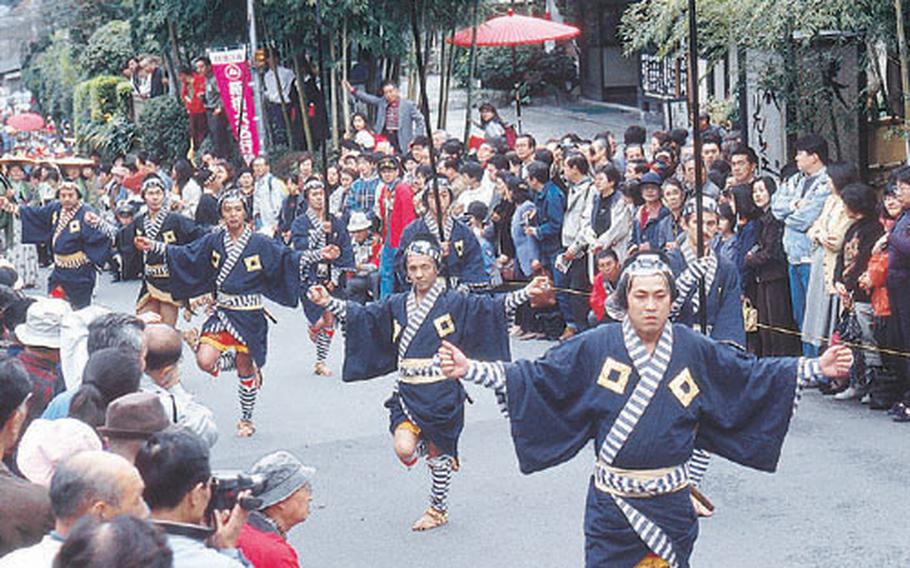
647,392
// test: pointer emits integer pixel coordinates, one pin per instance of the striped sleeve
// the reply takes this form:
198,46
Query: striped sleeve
807,372
338,309
515,299
492,376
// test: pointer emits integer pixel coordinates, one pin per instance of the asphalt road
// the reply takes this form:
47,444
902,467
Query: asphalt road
838,499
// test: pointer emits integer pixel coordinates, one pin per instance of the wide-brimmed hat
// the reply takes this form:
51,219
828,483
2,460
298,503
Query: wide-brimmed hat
284,475
42,323
136,415
358,222
47,443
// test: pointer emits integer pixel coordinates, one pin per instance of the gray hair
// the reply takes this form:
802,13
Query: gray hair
81,480
117,330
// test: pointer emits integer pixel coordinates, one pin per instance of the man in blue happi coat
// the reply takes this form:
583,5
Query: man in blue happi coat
402,333
77,246
462,255
647,392
325,241
233,268
159,224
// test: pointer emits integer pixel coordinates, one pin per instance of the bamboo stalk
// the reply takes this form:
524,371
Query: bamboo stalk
345,107
301,98
333,83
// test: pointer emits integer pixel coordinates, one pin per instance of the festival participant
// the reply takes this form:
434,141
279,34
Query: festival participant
395,210
647,392
460,248
238,267
403,332
78,247
325,239
722,287
159,224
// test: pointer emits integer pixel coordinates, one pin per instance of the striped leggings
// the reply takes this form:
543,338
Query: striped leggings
441,469
247,391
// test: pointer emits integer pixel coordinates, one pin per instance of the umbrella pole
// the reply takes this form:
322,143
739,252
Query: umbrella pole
699,161
425,109
517,88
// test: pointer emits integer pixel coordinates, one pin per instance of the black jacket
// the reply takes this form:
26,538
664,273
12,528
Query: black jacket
768,260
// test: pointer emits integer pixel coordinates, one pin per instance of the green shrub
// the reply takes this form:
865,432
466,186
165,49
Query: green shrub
100,100
537,70
164,128
116,137
108,49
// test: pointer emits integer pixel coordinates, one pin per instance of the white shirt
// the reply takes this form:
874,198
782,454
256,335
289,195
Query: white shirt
286,76
181,408
40,555
483,193
74,343
268,197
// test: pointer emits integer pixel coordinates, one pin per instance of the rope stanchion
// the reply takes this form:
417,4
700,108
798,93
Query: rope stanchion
862,346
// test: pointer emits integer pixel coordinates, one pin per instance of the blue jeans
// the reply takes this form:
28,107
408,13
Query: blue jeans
799,285
386,271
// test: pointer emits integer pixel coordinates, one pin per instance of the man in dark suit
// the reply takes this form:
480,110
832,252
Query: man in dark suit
396,118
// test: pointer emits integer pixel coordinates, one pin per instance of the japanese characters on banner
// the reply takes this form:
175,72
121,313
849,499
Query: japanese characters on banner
232,71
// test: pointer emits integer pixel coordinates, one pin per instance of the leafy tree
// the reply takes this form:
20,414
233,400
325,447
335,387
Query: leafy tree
163,127
51,75
108,49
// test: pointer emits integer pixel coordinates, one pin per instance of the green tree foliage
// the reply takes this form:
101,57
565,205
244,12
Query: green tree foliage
51,75
163,127
108,49
536,70
100,99
111,139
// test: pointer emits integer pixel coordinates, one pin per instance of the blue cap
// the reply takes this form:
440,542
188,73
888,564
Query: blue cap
651,178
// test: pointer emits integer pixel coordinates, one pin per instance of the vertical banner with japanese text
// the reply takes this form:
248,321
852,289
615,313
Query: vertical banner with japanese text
232,71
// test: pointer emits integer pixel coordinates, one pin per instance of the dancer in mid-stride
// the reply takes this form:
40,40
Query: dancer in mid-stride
402,333
237,267
161,225
647,392
77,246
325,240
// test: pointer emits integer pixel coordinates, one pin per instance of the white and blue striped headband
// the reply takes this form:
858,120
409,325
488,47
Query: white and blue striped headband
424,247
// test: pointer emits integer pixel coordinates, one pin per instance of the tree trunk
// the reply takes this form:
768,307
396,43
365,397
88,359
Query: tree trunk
345,107
441,119
412,75
301,98
471,65
333,82
450,68
174,59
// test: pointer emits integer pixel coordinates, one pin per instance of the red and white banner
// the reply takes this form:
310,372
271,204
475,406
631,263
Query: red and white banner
232,71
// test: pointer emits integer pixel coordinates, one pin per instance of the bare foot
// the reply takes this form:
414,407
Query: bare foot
430,520
191,337
322,370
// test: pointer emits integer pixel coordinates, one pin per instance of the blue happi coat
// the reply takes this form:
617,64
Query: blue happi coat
77,246
723,295
464,261
308,237
168,228
703,394
373,336
238,275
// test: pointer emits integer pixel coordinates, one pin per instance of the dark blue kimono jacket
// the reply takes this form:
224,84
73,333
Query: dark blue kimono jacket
175,229
725,307
709,396
475,322
264,267
78,248
464,262
309,238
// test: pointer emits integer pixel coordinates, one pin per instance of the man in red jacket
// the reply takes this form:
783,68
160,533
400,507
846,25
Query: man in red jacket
395,210
607,264
285,504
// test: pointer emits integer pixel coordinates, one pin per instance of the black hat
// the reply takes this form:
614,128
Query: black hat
389,163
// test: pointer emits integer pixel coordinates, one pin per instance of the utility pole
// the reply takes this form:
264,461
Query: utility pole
254,75
905,73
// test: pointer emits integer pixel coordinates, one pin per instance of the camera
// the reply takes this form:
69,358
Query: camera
227,485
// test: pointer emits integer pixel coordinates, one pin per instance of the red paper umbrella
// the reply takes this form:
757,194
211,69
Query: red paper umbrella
26,122
511,30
